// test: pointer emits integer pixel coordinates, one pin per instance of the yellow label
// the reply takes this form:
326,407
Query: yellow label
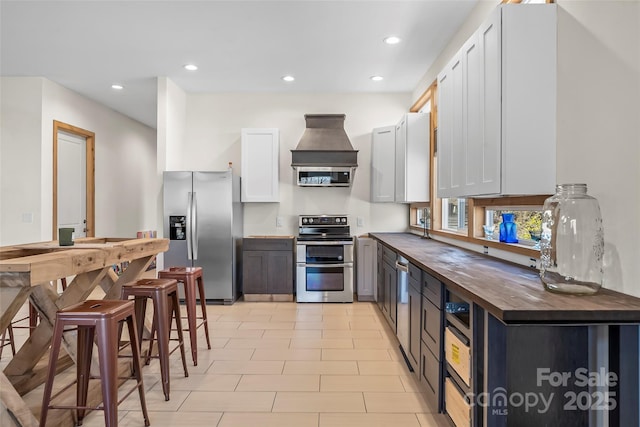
455,353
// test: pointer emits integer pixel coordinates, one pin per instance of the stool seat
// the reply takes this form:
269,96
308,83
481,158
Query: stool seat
166,307
192,280
100,319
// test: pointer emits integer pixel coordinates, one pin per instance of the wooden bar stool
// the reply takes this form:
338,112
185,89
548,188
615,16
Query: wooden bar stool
191,278
100,319
164,295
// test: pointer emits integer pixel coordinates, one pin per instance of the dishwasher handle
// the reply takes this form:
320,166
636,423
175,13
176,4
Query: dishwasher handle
402,267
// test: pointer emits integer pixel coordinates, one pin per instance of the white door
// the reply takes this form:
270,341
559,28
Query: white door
72,182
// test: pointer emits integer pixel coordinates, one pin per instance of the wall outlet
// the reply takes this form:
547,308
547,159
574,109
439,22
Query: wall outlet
360,221
279,221
27,217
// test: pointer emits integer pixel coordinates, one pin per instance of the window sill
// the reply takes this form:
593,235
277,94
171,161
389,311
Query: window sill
508,247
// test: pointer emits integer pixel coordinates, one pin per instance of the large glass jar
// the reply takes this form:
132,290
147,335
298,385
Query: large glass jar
572,241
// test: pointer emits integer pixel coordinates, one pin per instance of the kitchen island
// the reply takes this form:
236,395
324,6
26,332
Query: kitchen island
26,271
576,355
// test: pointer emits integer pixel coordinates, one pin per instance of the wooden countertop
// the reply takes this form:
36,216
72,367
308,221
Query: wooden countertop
512,293
48,261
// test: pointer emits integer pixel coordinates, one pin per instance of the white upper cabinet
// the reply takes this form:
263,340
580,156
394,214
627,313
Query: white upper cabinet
383,166
260,165
412,158
497,107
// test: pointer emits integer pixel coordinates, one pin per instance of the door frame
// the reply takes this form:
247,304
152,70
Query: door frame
90,175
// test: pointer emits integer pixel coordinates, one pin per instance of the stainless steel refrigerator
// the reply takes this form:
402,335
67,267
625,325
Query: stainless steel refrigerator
203,221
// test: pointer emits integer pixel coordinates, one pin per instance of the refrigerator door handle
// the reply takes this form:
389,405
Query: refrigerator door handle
189,226
194,229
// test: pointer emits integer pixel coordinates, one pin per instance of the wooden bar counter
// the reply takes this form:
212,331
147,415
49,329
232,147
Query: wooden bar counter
27,271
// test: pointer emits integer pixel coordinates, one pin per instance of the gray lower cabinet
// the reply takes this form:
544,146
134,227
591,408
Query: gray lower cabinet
267,266
415,316
380,279
431,336
390,281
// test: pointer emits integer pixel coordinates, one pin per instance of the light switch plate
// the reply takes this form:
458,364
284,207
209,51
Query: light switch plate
279,221
360,221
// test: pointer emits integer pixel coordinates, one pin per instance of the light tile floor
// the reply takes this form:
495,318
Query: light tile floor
283,364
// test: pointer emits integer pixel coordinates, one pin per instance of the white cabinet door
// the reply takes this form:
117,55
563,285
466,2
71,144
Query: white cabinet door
450,153
401,160
489,148
383,166
260,165
472,101
412,158
497,107
366,268
529,76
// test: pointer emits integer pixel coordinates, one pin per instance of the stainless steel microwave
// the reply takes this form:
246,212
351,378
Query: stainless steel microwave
318,176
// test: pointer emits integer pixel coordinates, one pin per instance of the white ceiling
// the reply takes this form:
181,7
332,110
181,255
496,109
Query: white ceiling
239,46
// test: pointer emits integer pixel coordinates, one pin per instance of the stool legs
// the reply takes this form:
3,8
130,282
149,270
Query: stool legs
190,303
107,355
107,335
162,328
190,288
85,351
51,371
164,295
175,303
137,366
203,304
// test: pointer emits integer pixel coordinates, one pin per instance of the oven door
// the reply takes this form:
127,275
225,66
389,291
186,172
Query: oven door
324,282
324,271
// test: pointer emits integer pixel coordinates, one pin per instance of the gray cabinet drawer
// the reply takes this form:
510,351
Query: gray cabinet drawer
431,326
261,244
415,274
389,255
430,376
432,289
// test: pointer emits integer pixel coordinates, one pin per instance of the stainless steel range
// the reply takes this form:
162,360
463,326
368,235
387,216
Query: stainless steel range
324,263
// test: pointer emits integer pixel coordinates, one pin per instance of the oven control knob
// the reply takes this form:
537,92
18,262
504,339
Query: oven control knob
339,258
310,220
344,220
304,220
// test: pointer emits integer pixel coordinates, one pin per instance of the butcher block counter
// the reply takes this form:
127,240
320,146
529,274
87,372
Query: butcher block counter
511,293
490,336
28,271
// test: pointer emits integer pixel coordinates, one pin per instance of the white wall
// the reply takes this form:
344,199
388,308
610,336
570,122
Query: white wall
20,162
599,122
125,161
598,131
212,140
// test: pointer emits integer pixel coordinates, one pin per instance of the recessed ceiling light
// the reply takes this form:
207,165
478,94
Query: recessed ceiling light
392,40
288,78
191,67
117,87
376,78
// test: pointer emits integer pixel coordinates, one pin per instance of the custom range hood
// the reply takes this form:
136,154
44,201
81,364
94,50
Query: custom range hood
324,156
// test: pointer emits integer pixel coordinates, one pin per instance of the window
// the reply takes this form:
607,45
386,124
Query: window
454,214
528,223
423,217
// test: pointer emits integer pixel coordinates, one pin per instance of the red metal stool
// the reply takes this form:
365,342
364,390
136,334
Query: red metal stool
99,318
191,278
164,295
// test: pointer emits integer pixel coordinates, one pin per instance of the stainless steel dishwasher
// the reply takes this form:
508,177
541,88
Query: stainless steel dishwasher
402,304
